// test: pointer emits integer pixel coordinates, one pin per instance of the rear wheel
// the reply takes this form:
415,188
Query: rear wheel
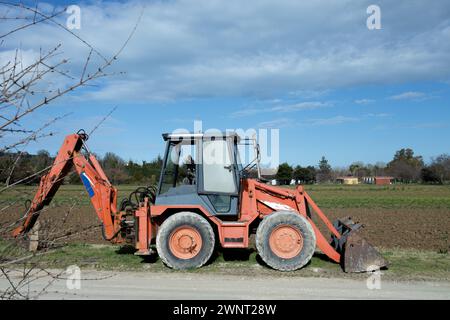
285,240
185,240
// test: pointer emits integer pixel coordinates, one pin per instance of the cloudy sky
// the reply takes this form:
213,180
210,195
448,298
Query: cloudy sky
311,69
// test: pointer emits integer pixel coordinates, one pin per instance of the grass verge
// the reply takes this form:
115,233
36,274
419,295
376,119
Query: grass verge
405,264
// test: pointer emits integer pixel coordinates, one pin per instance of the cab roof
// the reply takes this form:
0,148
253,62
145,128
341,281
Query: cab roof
192,136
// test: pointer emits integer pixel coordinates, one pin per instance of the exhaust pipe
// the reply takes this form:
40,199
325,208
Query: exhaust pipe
357,254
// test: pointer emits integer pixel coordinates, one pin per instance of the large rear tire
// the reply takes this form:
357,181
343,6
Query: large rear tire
285,240
185,241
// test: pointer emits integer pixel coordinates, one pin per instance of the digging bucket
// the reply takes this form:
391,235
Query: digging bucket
357,254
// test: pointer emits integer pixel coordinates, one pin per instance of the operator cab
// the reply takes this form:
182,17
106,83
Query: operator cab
201,169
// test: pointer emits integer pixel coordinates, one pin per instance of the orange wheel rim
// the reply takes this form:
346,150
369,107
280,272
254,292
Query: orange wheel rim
185,242
286,241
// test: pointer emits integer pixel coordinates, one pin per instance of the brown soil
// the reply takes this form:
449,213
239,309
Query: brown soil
404,228
388,228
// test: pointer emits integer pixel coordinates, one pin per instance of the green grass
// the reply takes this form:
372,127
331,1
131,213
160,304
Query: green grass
418,264
66,195
392,197
106,257
9,250
404,264
326,196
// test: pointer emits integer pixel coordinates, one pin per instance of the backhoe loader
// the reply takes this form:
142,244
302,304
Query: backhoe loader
204,199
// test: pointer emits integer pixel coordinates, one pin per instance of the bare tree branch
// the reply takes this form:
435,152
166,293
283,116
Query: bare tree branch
26,87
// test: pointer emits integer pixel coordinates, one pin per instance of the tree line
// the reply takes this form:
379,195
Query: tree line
24,166
405,167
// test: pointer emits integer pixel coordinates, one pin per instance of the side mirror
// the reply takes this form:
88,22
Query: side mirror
258,153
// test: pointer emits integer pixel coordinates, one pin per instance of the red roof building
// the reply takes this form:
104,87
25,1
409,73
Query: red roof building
381,181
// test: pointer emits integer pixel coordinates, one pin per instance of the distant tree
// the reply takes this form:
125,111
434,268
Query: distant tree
42,160
376,169
324,172
111,160
427,175
6,166
337,172
284,173
304,174
152,170
114,167
18,166
145,173
354,167
407,155
440,167
405,166
359,169
73,178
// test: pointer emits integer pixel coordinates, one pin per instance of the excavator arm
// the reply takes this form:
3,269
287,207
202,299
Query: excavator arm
75,154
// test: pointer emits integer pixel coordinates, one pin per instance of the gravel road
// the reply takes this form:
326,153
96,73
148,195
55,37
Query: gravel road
141,285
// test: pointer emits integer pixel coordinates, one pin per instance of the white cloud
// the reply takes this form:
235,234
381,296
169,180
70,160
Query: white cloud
281,108
330,121
378,115
300,106
364,101
309,94
429,125
410,95
288,122
247,112
276,123
184,49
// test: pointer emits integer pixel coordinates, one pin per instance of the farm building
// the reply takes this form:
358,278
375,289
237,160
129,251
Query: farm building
368,180
383,180
378,180
347,180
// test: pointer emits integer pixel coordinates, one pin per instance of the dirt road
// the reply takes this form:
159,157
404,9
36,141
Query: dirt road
141,285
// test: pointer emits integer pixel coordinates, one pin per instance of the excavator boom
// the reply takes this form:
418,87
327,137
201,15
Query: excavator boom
102,194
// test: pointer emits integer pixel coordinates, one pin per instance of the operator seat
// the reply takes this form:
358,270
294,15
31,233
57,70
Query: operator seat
190,170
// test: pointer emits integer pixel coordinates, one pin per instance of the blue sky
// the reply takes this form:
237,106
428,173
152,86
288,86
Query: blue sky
310,69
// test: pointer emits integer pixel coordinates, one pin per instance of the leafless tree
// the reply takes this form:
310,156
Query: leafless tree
26,87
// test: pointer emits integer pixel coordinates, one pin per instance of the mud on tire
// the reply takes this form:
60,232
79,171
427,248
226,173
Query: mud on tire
181,230
295,225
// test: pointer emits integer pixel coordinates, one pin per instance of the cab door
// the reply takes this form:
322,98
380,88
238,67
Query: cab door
218,185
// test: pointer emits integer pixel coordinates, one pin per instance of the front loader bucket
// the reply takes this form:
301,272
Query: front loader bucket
357,254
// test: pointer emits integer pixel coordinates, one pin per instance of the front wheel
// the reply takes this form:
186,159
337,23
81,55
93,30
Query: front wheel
285,240
185,240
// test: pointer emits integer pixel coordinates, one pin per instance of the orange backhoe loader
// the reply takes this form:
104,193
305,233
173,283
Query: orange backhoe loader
205,198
